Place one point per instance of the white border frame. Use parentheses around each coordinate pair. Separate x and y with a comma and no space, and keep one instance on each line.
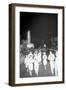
(17,41)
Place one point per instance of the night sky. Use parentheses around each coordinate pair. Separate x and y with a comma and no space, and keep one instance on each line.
(43,26)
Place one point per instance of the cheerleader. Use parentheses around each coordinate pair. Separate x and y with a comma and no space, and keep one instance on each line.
(30,65)
(36,64)
(56,64)
(44,60)
(51,58)
(39,57)
(26,62)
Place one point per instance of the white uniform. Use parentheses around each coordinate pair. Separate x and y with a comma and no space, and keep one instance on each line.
(44,60)
(56,65)
(26,62)
(30,66)
(36,67)
(39,57)
(36,64)
(51,57)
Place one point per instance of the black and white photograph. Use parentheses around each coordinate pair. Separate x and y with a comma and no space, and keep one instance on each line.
(36,44)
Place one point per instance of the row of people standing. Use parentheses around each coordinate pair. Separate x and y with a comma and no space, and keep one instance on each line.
(33,60)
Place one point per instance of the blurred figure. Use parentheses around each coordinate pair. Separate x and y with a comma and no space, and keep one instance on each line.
(44,59)
(36,64)
(56,64)
(51,58)
(26,62)
(39,57)
(30,65)
(22,58)
(44,45)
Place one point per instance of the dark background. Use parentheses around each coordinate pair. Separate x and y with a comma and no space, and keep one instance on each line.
(43,26)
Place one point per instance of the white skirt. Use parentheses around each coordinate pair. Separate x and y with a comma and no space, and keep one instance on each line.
(45,62)
(30,66)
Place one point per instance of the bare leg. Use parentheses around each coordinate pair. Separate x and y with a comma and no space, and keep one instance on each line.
(45,67)
(30,72)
